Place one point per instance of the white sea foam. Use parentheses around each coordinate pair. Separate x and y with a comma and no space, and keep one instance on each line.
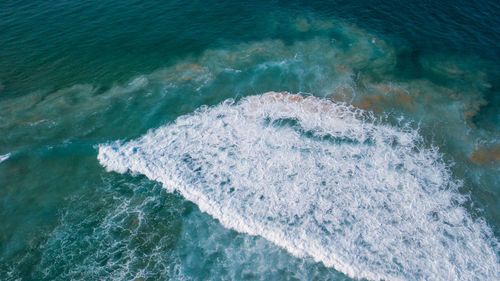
(4,157)
(320,180)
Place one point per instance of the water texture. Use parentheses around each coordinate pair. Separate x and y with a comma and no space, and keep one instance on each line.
(195,140)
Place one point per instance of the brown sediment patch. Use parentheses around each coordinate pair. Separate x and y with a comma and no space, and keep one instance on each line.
(275,95)
(488,155)
(343,69)
(382,88)
(399,91)
(271,97)
(390,89)
(469,114)
(430,99)
(385,96)
(189,66)
(190,71)
(196,68)
(377,102)
(368,102)
(403,98)
(341,94)
(311,104)
(295,98)
(472,110)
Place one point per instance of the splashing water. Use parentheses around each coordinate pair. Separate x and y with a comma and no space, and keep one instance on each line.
(319,179)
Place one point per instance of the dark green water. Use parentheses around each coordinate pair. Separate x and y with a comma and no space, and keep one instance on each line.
(77,74)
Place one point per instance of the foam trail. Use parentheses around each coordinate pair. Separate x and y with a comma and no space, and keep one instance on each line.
(4,157)
(320,180)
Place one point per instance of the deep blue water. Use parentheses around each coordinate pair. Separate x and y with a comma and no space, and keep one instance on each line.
(78,74)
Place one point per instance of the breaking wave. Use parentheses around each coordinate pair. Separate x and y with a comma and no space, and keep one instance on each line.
(319,179)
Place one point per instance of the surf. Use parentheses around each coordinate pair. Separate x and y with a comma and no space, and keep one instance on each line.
(320,179)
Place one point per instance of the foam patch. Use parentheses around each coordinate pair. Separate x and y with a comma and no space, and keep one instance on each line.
(319,179)
(4,157)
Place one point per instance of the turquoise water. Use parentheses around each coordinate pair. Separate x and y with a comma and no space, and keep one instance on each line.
(386,166)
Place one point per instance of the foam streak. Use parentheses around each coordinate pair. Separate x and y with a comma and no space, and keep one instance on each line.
(4,157)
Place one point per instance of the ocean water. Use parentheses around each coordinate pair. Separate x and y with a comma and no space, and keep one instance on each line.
(263,140)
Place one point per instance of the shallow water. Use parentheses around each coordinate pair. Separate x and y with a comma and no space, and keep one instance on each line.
(386,163)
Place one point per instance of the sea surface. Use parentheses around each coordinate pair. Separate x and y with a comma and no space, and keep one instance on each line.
(249,140)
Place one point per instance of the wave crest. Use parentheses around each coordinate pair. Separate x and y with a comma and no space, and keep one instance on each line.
(319,179)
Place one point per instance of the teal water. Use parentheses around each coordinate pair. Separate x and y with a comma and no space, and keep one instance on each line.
(78,75)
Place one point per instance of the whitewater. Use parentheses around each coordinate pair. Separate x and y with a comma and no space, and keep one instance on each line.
(321,179)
